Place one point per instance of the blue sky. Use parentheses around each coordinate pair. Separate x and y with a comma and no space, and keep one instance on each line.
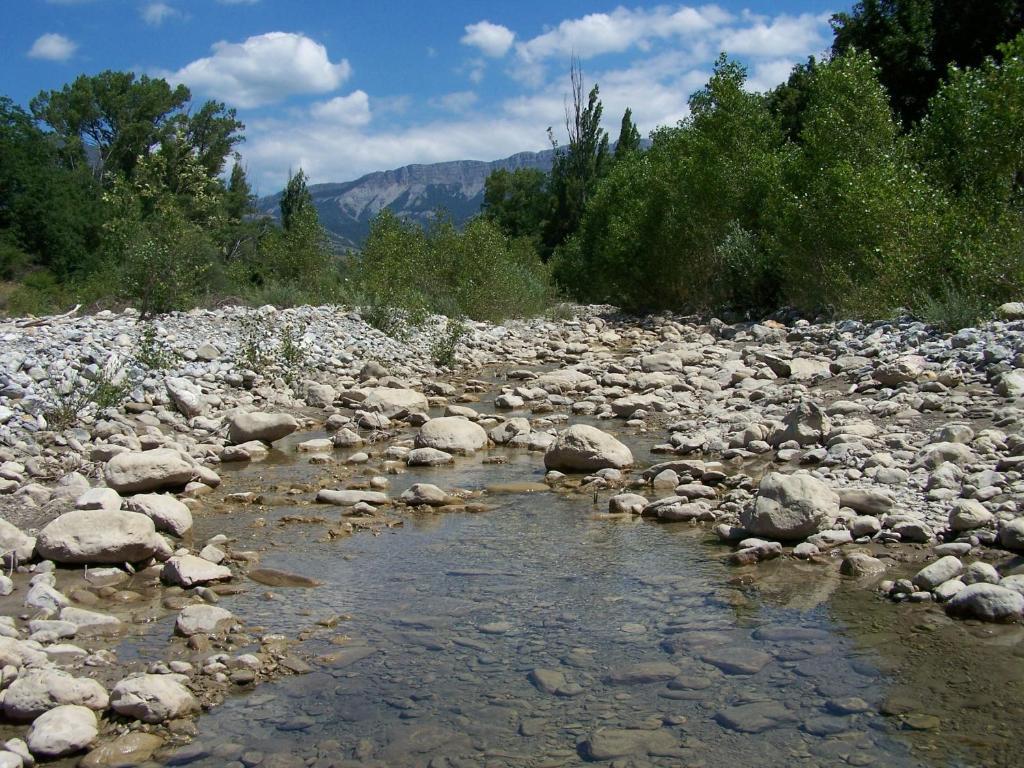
(344,88)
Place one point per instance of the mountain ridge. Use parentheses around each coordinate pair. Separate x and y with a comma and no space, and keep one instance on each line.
(413,192)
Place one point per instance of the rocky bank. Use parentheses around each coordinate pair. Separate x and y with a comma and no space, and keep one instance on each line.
(889,452)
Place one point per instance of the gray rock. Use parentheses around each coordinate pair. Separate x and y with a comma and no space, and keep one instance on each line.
(351,498)
(142,471)
(643,673)
(428,457)
(612,743)
(393,402)
(100,536)
(425,494)
(807,424)
(790,507)
(980,573)
(167,513)
(64,730)
(582,448)
(968,515)
(866,501)
(39,690)
(452,434)
(186,396)
(860,564)
(988,602)
(1011,535)
(13,541)
(943,569)
(202,619)
(256,425)
(152,698)
(189,571)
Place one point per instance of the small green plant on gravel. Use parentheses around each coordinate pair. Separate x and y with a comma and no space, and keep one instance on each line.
(442,349)
(253,348)
(951,309)
(289,353)
(152,353)
(72,400)
(267,344)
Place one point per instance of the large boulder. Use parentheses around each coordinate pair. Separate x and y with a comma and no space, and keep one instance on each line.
(63,730)
(13,541)
(807,424)
(142,471)
(392,402)
(167,513)
(100,536)
(582,448)
(152,698)
(452,434)
(39,690)
(988,602)
(257,425)
(790,507)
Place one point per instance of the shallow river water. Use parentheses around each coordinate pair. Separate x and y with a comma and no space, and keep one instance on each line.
(447,620)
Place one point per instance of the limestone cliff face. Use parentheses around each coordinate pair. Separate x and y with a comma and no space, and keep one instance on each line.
(413,192)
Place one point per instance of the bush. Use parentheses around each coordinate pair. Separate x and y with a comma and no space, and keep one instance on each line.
(405,272)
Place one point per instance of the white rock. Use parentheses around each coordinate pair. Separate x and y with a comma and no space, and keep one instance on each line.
(201,619)
(38,690)
(186,396)
(790,507)
(99,498)
(452,434)
(967,515)
(943,569)
(63,730)
(152,698)
(99,536)
(988,602)
(582,448)
(189,571)
(13,540)
(167,513)
(257,425)
(141,471)
(393,402)
(345,498)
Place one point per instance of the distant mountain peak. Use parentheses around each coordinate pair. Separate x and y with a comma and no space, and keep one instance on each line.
(413,192)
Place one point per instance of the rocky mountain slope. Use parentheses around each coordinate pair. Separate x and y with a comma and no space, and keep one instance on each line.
(413,192)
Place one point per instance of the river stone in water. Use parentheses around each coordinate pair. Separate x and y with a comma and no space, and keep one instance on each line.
(168,514)
(152,698)
(645,672)
(39,690)
(452,434)
(988,602)
(132,748)
(100,536)
(754,718)
(428,457)
(141,471)
(582,448)
(257,425)
(274,578)
(610,743)
(201,619)
(63,730)
(790,507)
(189,571)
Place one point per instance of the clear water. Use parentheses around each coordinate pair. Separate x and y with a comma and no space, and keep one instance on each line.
(450,613)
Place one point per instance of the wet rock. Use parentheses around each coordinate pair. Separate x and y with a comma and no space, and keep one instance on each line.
(152,698)
(428,457)
(738,661)
(860,564)
(645,672)
(582,448)
(142,471)
(988,602)
(62,731)
(130,749)
(83,618)
(100,536)
(202,619)
(553,682)
(275,578)
(627,503)
(789,507)
(168,514)
(425,494)
(941,570)
(256,425)
(350,498)
(612,743)
(756,717)
(39,690)
(189,571)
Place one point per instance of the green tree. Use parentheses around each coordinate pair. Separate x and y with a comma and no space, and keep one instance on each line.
(629,137)
(518,202)
(296,201)
(49,215)
(577,167)
(788,101)
(110,120)
(238,199)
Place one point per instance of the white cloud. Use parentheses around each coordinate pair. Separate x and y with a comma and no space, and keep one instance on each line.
(766,75)
(353,109)
(52,47)
(459,101)
(264,69)
(782,36)
(492,40)
(620,30)
(156,14)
